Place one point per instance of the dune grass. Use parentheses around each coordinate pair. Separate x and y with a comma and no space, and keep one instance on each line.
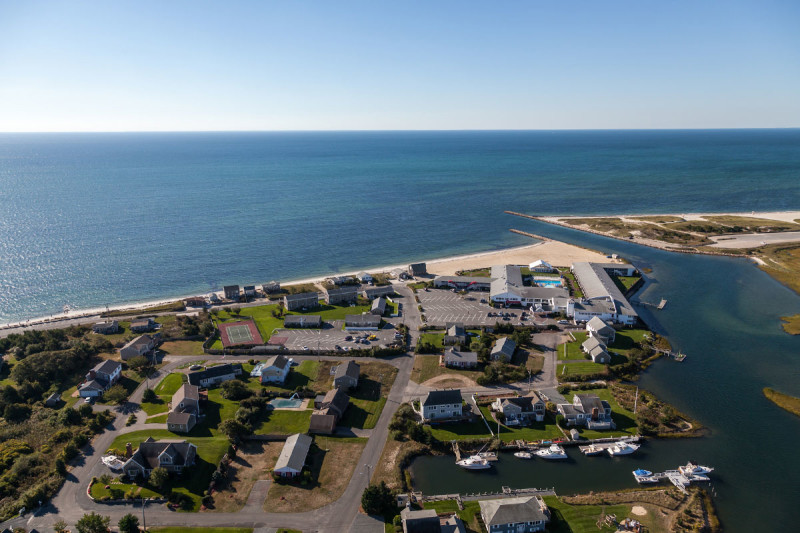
(784,401)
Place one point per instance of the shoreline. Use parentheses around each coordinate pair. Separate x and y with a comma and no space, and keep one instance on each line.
(556,251)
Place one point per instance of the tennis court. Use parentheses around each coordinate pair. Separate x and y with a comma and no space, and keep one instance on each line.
(239,333)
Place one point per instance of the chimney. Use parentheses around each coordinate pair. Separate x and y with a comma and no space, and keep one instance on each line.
(92,374)
(128,450)
(595,413)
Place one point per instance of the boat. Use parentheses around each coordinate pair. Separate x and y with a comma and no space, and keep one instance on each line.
(622,448)
(642,472)
(592,450)
(697,477)
(553,452)
(694,469)
(474,463)
(647,479)
(523,455)
(489,456)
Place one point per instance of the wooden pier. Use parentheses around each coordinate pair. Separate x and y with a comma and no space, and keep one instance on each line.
(457,451)
(678,356)
(662,304)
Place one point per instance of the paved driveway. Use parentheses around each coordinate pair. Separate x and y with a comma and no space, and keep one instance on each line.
(441,306)
(331,336)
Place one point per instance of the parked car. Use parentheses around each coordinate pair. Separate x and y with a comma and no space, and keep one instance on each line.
(305,348)
(292,362)
(348,338)
(337,347)
(563,321)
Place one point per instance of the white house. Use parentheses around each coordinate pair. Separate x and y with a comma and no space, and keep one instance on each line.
(523,514)
(541,266)
(441,404)
(595,349)
(602,298)
(100,378)
(275,369)
(364,277)
(597,327)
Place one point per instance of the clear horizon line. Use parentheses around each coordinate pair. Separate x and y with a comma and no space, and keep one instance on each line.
(17,132)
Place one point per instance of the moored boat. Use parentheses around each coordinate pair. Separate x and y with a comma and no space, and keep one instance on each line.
(523,455)
(592,449)
(622,448)
(694,469)
(474,463)
(553,452)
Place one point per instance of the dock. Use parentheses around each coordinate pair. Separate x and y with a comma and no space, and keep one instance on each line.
(531,235)
(457,451)
(605,442)
(678,356)
(676,478)
(662,304)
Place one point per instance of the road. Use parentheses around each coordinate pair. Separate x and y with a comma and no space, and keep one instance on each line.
(753,240)
(72,501)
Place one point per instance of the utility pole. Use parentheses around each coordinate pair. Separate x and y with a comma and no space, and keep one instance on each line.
(144,521)
(636,400)
(369,475)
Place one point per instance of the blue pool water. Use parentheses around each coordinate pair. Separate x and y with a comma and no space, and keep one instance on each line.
(548,282)
(285,403)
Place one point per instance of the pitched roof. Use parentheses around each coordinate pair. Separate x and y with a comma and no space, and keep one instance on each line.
(278,361)
(349,368)
(179,417)
(595,282)
(525,403)
(456,330)
(590,401)
(363,320)
(213,371)
(141,340)
(294,452)
(505,346)
(92,385)
(149,451)
(348,290)
(302,320)
(452,356)
(442,397)
(107,367)
(511,510)
(379,304)
(186,392)
(599,325)
(423,521)
(301,296)
(591,343)
(336,399)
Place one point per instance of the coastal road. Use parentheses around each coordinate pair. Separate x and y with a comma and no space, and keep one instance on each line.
(754,240)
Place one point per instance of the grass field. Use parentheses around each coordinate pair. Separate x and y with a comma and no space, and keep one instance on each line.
(580,518)
(784,401)
(627,339)
(580,369)
(624,419)
(170,384)
(368,399)
(572,350)
(460,431)
(469,514)
(536,431)
(332,463)
(99,491)
(282,422)
(182,348)
(195,480)
(427,367)
(303,375)
(624,283)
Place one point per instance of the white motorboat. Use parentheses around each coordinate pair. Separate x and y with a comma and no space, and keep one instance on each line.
(523,455)
(489,456)
(474,463)
(694,469)
(622,448)
(644,476)
(592,450)
(553,452)
(697,477)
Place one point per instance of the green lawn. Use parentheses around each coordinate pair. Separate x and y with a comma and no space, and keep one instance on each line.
(460,431)
(262,315)
(160,419)
(427,367)
(579,369)
(170,384)
(536,431)
(195,480)
(156,407)
(333,312)
(130,380)
(283,422)
(435,338)
(468,514)
(572,349)
(368,399)
(624,419)
(576,289)
(392,308)
(581,518)
(624,283)
(99,490)
(302,375)
(627,339)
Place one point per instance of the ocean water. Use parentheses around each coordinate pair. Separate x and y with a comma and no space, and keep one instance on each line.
(96,219)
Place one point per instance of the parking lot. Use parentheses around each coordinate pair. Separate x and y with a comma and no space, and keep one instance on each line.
(326,339)
(442,306)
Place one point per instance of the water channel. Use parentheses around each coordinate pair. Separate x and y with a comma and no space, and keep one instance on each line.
(724,313)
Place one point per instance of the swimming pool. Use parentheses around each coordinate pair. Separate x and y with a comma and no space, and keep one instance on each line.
(548,282)
(286,403)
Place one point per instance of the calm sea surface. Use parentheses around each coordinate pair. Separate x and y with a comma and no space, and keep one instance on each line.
(95,219)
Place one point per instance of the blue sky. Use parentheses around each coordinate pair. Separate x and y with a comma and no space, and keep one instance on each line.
(169,66)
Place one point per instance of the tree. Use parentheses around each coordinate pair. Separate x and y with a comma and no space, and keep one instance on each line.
(159,476)
(234,430)
(60,526)
(128,524)
(60,467)
(138,364)
(149,395)
(235,390)
(378,500)
(17,412)
(116,394)
(93,523)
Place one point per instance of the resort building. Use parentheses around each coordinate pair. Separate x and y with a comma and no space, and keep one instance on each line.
(194,301)
(231,292)
(184,409)
(249,291)
(594,348)
(106,328)
(441,404)
(340,296)
(365,277)
(541,267)
(271,288)
(587,410)
(171,455)
(370,293)
(521,410)
(507,288)
(367,321)
(346,375)
(601,296)
(214,375)
(275,369)
(417,269)
(302,321)
(503,349)
(456,359)
(142,345)
(378,306)
(100,379)
(515,515)
(463,283)
(301,300)
(292,459)
(399,273)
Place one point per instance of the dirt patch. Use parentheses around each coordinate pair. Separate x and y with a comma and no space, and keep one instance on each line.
(253,461)
(449,380)
(331,470)
(638,510)
(388,468)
